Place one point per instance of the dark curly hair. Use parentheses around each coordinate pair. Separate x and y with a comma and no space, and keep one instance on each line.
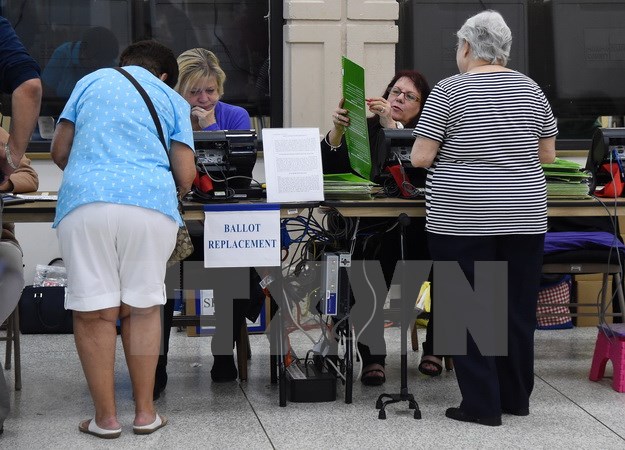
(154,57)
(420,83)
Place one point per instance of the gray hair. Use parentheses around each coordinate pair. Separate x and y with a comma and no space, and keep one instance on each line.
(488,36)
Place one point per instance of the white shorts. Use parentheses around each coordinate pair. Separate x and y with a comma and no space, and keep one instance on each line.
(115,253)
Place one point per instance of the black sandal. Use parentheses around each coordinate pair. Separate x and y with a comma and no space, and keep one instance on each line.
(371,375)
(432,361)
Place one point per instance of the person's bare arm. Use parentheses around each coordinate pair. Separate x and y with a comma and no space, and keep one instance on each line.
(62,143)
(340,120)
(424,152)
(182,166)
(547,150)
(25,105)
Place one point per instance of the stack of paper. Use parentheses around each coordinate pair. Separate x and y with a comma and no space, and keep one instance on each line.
(565,179)
(346,186)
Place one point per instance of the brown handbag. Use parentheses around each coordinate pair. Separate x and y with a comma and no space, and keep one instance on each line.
(184,245)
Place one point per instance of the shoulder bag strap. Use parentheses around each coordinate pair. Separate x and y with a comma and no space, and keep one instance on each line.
(149,104)
(154,115)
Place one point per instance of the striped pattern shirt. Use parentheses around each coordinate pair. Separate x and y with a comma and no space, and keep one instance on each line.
(486,178)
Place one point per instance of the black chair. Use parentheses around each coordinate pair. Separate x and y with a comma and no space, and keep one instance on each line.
(605,261)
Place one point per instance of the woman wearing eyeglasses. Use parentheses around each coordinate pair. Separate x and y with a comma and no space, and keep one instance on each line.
(378,239)
(399,107)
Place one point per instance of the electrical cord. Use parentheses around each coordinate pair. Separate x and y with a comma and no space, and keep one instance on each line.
(364,327)
(612,214)
(413,192)
(309,234)
(334,220)
(389,188)
(345,228)
(296,323)
(229,192)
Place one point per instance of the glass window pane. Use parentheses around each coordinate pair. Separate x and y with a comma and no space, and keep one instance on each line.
(70,38)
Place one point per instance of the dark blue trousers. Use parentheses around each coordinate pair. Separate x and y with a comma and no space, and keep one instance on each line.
(490,383)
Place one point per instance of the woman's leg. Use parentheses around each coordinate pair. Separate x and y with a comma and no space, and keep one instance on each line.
(95,335)
(141,335)
(144,245)
(174,278)
(516,370)
(222,343)
(476,373)
(430,364)
(167,317)
(87,243)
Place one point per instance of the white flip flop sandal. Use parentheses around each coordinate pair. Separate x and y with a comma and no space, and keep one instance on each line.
(93,429)
(159,422)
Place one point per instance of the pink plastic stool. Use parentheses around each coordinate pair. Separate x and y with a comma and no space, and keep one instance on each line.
(610,345)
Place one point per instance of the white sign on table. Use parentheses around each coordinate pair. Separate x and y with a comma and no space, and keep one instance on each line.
(242,235)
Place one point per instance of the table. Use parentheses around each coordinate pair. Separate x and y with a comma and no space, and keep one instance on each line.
(392,207)
(43,211)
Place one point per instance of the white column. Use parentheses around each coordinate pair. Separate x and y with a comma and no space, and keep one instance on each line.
(316,34)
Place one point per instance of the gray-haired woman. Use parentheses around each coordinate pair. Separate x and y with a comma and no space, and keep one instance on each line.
(484,133)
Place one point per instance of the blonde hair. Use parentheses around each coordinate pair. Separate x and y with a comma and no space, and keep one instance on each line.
(196,64)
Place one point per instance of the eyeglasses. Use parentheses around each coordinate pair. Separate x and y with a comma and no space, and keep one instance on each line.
(409,96)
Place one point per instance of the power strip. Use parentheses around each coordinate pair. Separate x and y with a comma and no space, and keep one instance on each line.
(306,384)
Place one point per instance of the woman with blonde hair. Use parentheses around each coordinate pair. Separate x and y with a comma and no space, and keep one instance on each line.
(201,83)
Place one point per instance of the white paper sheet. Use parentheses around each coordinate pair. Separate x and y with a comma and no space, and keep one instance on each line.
(293,169)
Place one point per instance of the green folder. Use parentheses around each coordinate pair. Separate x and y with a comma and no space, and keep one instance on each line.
(346,177)
(565,179)
(357,133)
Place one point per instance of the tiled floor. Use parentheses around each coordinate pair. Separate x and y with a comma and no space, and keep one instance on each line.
(567,410)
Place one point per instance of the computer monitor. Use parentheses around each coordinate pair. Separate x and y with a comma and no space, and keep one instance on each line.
(577,50)
(427,30)
(227,156)
(398,147)
(398,144)
(608,145)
